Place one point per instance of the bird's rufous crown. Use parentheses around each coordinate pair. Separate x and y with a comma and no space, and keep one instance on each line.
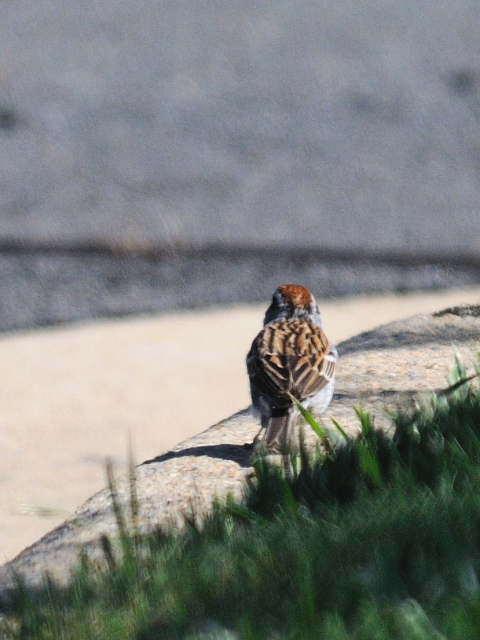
(296,295)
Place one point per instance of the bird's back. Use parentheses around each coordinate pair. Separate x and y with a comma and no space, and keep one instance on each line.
(290,357)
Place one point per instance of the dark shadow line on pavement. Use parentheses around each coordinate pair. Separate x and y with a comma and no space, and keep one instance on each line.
(237,251)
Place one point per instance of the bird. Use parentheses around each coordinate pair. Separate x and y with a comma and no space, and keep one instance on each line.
(291,356)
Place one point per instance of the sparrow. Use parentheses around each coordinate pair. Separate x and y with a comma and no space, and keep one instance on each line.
(291,356)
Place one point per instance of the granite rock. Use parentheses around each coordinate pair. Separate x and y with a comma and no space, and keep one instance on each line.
(379,369)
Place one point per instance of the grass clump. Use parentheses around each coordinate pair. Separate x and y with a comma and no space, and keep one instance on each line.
(376,538)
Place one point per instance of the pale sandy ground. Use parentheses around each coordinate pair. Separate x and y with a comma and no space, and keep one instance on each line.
(70,396)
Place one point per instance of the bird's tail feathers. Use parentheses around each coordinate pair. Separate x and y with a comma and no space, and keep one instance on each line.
(278,432)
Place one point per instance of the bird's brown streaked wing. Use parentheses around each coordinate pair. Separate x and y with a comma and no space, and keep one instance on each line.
(309,374)
(290,356)
(270,374)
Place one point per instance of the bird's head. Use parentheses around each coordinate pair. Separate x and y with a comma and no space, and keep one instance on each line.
(292,301)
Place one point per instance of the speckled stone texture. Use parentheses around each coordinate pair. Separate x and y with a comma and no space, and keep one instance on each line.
(378,369)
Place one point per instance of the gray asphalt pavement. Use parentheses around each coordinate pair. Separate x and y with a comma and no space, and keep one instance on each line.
(39,288)
(340,128)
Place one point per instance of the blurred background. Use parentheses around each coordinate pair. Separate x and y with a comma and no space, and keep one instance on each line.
(165,156)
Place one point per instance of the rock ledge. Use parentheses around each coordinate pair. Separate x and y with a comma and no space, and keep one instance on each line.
(378,368)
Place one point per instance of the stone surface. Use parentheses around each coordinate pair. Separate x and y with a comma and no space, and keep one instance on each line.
(379,368)
(74,395)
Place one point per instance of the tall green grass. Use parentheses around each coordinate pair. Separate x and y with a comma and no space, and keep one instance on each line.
(374,538)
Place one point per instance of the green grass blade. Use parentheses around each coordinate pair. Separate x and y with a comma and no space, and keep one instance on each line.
(365,420)
(340,429)
(369,463)
(309,419)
